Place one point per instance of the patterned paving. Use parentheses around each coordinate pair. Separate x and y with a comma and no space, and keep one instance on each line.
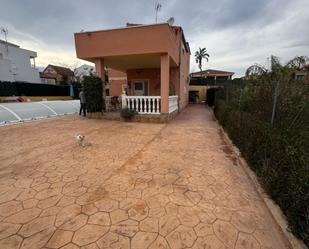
(132,186)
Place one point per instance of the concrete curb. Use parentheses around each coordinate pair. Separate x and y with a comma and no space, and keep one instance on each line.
(274,210)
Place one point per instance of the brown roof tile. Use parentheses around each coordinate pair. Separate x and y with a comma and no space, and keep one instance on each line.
(62,70)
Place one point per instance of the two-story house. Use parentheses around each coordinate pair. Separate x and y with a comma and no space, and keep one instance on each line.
(17,64)
(57,75)
(149,62)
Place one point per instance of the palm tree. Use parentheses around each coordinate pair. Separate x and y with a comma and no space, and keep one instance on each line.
(200,55)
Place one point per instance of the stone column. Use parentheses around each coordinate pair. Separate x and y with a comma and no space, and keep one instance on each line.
(165,81)
(123,100)
(100,69)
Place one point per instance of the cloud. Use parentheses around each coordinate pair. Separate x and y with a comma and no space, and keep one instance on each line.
(274,31)
(236,33)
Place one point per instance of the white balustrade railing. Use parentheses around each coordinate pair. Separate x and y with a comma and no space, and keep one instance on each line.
(150,104)
(172,103)
(144,104)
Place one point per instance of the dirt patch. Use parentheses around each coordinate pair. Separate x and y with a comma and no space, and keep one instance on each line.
(226,148)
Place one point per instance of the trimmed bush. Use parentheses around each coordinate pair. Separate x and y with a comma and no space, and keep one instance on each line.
(277,153)
(92,86)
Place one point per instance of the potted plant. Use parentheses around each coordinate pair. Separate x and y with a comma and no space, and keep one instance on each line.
(127,114)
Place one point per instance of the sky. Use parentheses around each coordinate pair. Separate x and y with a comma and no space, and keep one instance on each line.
(236,33)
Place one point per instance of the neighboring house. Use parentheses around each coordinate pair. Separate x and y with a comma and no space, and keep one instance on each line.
(59,74)
(17,64)
(83,70)
(197,90)
(301,74)
(201,81)
(212,74)
(150,62)
(47,78)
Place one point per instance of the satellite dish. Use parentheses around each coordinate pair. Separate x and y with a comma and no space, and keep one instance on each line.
(171,21)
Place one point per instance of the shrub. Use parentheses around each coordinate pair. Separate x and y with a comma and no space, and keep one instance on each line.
(92,86)
(127,113)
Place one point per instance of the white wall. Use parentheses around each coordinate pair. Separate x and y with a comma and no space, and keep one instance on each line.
(5,70)
(15,64)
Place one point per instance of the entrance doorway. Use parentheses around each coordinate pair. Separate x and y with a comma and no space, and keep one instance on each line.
(193,97)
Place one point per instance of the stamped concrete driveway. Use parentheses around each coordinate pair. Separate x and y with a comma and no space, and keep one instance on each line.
(132,186)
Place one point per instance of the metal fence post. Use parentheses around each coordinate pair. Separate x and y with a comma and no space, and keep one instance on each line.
(275,103)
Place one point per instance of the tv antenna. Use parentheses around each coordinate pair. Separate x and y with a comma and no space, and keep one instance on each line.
(171,21)
(5,32)
(158,7)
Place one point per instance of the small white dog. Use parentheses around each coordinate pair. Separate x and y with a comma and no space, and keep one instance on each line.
(80,139)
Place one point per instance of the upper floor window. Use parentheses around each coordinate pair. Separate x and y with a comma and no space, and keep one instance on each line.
(1,56)
(32,62)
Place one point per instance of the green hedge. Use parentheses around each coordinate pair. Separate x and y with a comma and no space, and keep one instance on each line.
(32,89)
(35,89)
(92,86)
(277,153)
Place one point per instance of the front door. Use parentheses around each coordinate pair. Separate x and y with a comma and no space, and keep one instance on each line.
(139,88)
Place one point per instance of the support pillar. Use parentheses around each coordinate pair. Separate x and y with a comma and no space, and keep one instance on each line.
(165,81)
(100,69)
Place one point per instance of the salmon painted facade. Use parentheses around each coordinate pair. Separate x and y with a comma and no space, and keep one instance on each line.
(149,62)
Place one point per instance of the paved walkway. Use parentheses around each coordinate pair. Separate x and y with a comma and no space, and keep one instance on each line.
(132,186)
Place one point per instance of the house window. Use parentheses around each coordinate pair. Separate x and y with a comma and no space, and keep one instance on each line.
(32,62)
(1,56)
(299,76)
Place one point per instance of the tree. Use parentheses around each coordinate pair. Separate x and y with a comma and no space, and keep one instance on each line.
(200,55)
(255,71)
(64,80)
(298,62)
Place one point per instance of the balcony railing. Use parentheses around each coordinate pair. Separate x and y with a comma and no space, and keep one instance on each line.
(150,104)
(144,104)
